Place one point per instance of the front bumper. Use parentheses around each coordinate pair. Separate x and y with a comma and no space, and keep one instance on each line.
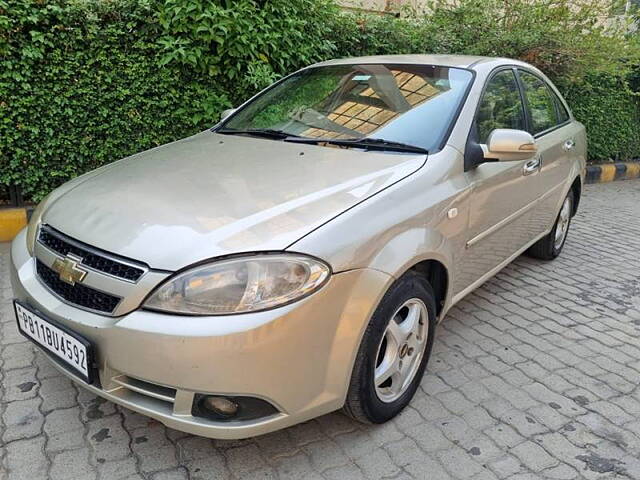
(298,357)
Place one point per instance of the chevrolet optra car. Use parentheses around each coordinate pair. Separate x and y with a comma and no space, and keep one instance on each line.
(296,258)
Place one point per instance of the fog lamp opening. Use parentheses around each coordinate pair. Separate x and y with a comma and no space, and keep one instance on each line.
(223,408)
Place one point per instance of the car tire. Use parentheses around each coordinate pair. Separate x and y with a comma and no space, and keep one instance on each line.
(370,400)
(550,246)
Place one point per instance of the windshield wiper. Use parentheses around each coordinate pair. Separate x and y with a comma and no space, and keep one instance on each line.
(258,132)
(368,143)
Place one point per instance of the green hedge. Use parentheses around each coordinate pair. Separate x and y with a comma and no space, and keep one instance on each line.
(81,87)
(611,115)
(86,82)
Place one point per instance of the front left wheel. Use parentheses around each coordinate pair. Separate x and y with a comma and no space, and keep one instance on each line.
(394,351)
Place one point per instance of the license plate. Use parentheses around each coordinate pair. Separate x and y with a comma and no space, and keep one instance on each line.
(67,347)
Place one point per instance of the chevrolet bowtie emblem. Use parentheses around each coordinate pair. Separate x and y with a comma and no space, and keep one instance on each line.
(68,270)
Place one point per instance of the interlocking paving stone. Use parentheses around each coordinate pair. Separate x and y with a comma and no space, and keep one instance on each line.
(533,376)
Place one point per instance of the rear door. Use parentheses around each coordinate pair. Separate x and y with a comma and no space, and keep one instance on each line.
(550,124)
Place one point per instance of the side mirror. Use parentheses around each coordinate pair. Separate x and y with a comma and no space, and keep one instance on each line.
(226,113)
(506,145)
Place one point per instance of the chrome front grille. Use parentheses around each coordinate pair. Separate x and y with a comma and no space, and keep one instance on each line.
(77,294)
(91,257)
(90,278)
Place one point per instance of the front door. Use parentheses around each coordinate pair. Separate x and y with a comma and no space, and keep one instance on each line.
(503,193)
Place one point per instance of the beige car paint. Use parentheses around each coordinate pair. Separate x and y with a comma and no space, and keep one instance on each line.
(247,195)
(371,216)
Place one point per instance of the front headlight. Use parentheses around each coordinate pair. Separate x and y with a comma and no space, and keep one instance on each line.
(240,285)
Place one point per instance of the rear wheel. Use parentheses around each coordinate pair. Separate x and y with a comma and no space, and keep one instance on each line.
(550,246)
(394,351)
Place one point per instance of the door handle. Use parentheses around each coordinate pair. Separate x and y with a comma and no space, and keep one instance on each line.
(532,166)
(569,145)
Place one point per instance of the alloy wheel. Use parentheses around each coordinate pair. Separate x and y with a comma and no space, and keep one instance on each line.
(563,223)
(401,350)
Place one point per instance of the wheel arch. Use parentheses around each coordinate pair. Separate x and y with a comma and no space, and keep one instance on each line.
(424,251)
(576,187)
(436,273)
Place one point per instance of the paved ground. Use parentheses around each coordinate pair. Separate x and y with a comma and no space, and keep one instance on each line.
(533,376)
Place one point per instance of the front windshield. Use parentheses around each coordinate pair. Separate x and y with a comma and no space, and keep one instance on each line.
(409,104)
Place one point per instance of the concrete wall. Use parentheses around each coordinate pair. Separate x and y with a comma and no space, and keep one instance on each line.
(383,6)
(394,6)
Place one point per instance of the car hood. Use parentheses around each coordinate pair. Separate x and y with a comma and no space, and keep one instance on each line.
(211,195)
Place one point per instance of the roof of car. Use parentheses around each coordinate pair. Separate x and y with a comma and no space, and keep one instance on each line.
(463,61)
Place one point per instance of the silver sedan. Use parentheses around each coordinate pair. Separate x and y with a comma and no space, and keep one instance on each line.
(296,258)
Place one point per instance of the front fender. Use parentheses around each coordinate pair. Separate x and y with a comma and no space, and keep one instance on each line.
(423,217)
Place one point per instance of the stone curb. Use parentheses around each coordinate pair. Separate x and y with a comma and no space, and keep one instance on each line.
(612,171)
(12,220)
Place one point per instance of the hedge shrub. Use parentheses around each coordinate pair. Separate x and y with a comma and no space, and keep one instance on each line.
(611,115)
(80,86)
(86,82)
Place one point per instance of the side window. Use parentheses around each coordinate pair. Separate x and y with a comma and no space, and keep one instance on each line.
(563,115)
(541,104)
(500,106)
